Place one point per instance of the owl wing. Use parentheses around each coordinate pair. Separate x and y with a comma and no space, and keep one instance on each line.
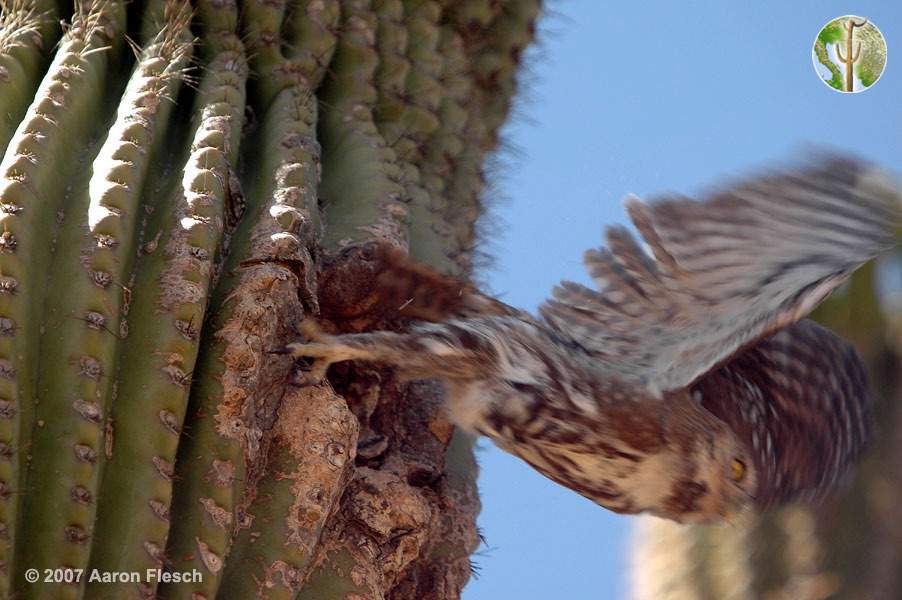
(725,271)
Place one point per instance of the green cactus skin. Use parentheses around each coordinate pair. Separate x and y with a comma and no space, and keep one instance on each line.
(310,41)
(261,24)
(406,79)
(220,462)
(27,33)
(279,227)
(494,69)
(498,48)
(34,173)
(431,238)
(218,25)
(393,66)
(330,577)
(83,327)
(309,459)
(310,36)
(474,14)
(409,95)
(361,187)
(172,179)
(277,524)
(423,91)
(459,537)
(222,102)
(169,297)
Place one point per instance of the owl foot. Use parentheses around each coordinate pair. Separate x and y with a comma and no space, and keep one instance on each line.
(322,348)
(310,373)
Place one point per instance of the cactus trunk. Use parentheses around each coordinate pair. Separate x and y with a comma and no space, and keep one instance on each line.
(179,186)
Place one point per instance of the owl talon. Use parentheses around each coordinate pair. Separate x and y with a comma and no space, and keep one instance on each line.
(321,354)
(317,346)
(312,374)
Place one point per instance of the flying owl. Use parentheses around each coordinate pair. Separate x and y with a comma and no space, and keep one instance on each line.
(687,385)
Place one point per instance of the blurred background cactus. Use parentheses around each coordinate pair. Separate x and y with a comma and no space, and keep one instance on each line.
(848,548)
(177,183)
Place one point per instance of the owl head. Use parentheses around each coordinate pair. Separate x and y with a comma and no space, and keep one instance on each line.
(718,478)
(804,418)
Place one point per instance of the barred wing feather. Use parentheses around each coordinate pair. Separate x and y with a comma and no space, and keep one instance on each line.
(725,271)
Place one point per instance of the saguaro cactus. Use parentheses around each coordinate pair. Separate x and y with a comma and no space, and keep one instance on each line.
(849,59)
(179,185)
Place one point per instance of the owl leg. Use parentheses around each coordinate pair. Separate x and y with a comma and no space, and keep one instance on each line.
(419,354)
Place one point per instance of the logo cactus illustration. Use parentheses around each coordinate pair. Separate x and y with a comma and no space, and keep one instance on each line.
(849,25)
(849,54)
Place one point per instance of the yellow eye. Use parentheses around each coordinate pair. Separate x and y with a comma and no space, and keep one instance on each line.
(738,469)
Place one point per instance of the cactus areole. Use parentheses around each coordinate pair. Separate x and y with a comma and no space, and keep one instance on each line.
(180,185)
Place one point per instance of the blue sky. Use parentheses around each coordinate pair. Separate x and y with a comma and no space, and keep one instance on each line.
(644,97)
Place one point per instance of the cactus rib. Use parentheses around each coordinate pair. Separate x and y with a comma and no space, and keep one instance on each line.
(27,32)
(361,186)
(84,326)
(309,458)
(169,301)
(35,172)
(220,463)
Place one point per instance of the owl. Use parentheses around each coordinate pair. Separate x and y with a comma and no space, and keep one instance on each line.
(688,385)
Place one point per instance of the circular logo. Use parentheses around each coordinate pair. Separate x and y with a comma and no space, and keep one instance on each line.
(849,54)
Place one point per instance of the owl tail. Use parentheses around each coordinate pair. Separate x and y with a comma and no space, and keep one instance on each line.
(378,281)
